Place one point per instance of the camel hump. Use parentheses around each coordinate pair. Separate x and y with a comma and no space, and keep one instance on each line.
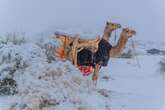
(60,34)
(97,39)
(56,33)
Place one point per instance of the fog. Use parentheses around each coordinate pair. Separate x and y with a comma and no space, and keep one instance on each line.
(147,17)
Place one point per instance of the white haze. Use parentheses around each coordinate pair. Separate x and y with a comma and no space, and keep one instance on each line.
(147,17)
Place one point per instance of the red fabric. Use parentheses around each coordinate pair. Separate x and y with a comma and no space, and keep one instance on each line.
(86,70)
(60,54)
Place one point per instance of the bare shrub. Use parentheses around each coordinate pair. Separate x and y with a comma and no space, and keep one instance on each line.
(15,38)
(162,66)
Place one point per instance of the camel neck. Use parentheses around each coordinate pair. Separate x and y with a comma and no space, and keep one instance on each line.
(121,43)
(107,35)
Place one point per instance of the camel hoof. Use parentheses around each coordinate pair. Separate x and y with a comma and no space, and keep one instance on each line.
(94,77)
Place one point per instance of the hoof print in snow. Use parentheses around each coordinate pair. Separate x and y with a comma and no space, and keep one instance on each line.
(104,92)
(8,87)
(107,78)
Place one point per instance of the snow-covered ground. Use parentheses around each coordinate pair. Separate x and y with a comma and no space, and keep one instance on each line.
(134,88)
(123,85)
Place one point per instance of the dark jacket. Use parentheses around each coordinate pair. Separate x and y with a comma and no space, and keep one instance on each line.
(86,57)
(102,55)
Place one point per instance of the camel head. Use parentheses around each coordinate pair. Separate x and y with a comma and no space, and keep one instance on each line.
(110,26)
(128,32)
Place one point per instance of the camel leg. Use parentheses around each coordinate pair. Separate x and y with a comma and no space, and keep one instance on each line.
(96,72)
(74,50)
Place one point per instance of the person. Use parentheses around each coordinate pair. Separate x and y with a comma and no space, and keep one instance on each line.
(87,61)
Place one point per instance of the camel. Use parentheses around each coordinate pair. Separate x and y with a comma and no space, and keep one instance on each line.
(79,45)
(110,26)
(69,44)
(108,30)
(116,50)
(125,35)
(67,41)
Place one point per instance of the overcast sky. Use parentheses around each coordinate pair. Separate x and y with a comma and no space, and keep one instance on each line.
(147,17)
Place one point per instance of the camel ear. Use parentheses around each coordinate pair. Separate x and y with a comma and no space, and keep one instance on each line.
(107,23)
(125,29)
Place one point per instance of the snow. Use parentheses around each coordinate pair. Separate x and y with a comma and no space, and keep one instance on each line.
(127,87)
(136,88)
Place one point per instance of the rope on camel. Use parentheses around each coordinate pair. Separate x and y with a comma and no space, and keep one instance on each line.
(135,53)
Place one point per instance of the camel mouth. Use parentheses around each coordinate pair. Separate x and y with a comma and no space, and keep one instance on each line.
(134,32)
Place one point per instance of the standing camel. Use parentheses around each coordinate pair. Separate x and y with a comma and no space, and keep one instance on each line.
(125,35)
(73,45)
(64,50)
(116,50)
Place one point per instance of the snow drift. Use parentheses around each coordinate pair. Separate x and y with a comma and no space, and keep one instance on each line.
(44,82)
